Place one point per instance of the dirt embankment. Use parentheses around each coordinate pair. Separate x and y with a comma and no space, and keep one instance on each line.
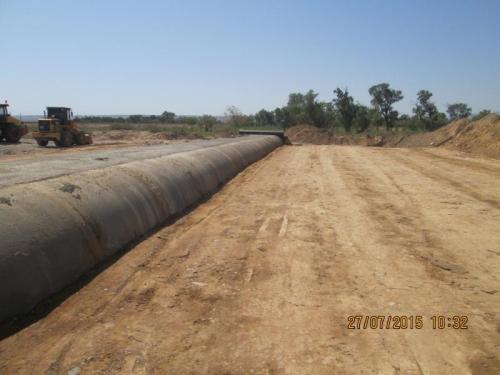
(305,133)
(431,139)
(480,137)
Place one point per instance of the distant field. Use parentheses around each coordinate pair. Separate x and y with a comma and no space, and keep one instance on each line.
(176,130)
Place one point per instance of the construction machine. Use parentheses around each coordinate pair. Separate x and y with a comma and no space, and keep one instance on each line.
(58,126)
(11,129)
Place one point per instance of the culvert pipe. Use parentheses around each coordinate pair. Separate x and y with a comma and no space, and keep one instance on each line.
(54,231)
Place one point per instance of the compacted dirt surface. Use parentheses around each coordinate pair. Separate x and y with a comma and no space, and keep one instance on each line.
(63,161)
(476,137)
(261,278)
(103,140)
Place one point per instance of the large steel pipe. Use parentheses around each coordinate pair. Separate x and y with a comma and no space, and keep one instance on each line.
(54,231)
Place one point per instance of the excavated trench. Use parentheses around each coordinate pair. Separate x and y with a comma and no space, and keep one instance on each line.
(55,230)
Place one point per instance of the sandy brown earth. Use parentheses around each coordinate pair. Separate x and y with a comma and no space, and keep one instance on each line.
(480,137)
(261,278)
(103,140)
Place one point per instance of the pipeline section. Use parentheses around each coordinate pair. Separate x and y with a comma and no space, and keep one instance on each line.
(54,231)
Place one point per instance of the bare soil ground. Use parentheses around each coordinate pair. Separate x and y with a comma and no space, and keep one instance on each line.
(103,140)
(262,277)
(481,137)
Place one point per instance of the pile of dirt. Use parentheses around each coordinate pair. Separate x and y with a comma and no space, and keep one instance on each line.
(480,137)
(431,139)
(305,133)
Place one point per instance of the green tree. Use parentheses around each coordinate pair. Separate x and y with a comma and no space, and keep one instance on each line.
(305,108)
(383,98)
(458,110)
(331,115)
(344,104)
(296,107)
(406,122)
(264,118)
(235,117)
(249,121)
(190,120)
(207,122)
(283,118)
(316,110)
(361,121)
(426,111)
(168,117)
(481,114)
(136,118)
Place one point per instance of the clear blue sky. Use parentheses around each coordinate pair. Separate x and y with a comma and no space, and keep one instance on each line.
(196,57)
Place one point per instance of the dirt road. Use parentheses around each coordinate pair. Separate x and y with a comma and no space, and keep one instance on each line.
(262,277)
(27,148)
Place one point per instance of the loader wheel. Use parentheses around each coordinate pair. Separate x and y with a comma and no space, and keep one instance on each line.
(42,142)
(80,139)
(66,139)
(13,133)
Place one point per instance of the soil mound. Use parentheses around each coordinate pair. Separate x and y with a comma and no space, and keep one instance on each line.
(305,133)
(479,137)
(119,135)
(431,139)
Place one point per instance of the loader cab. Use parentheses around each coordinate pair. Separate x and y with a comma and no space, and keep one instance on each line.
(3,111)
(63,114)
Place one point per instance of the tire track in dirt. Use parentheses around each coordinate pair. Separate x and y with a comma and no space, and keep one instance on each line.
(434,173)
(417,215)
(405,218)
(386,200)
(293,289)
(471,165)
(368,258)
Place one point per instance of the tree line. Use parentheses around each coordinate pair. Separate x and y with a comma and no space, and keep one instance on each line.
(344,112)
(206,121)
(166,117)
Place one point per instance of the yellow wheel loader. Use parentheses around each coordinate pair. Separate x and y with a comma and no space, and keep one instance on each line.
(58,126)
(11,129)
